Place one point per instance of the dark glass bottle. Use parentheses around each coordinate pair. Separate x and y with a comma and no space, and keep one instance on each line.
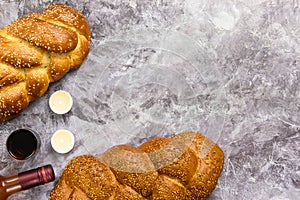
(25,180)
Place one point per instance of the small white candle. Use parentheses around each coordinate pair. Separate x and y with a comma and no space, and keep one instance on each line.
(60,102)
(62,141)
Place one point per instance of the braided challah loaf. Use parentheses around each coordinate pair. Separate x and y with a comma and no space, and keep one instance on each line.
(185,166)
(37,50)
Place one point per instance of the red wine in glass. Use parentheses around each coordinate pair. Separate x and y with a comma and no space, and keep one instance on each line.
(22,144)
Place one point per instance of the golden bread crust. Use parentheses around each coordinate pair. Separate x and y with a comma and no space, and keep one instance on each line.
(38,49)
(168,188)
(17,53)
(132,167)
(13,100)
(48,36)
(193,164)
(69,16)
(86,175)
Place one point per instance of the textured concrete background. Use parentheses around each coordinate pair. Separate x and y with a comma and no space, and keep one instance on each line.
(228,69)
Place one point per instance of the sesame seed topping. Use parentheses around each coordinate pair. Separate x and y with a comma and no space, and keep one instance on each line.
(39,41)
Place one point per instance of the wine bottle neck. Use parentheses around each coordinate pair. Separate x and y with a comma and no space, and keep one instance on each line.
(25,180)
(36,177)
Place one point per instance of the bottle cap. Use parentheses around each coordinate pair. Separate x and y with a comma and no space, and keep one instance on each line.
(35,177)
(47,173)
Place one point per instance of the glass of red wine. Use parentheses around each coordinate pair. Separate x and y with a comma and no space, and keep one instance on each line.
(22,144)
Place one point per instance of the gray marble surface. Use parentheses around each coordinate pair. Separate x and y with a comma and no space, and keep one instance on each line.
(226,68)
